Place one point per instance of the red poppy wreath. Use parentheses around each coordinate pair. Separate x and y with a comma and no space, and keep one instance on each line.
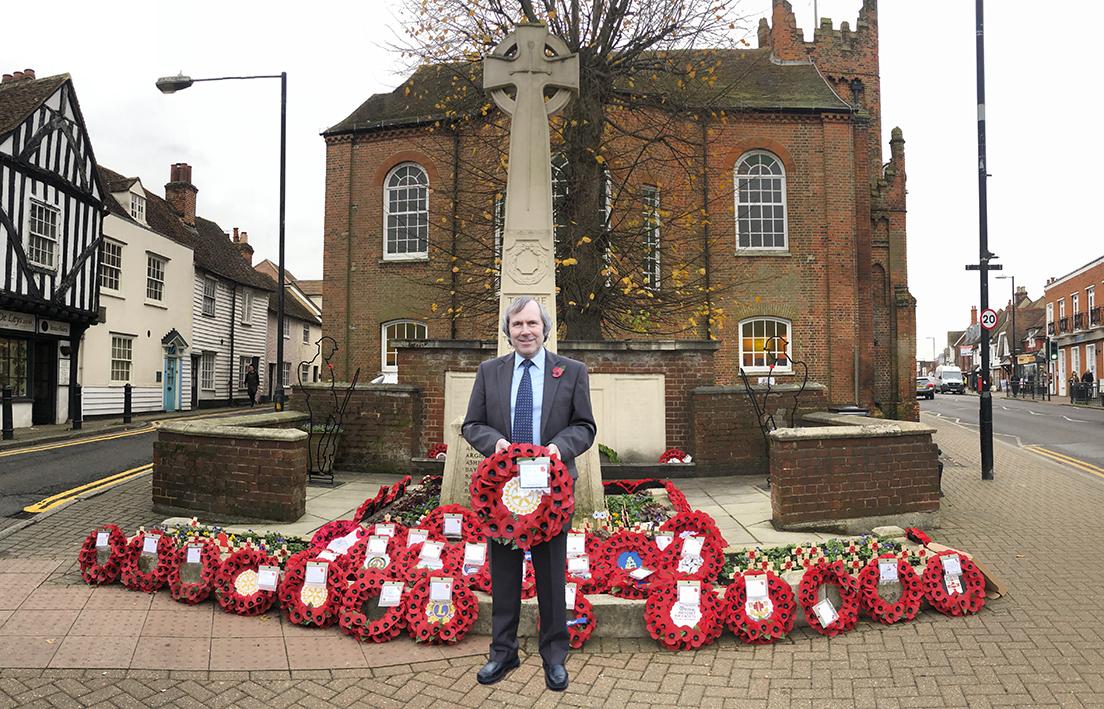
(836,620)
(961,597)
(475,575)
(146,564)
(706,563)
(681,626)
(371,505)
(593,580)
(192,570)
(471,527)
(676,497)
(359,557)
(515,516)
(672,454)
(100,563)
(360,598)
(236,584)
(311,590)
(337,529)
(904,576)
(444,621)
(412,565)
(620,560)
(760,619)
(580,621)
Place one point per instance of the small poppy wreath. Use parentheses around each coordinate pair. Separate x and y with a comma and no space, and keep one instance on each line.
(547,518)
(352,561)
(321,606)
(96,569)
(972,598)
(440,622)
(193,592)
(617,577)
(406,567)
(335,530)
(399,535)
(672,454)
(131,573)
(657,616)
(762,630)
(579,632)
(236,583)
(677,498)
(695,523)
(597,582)
(912,591)
(371,505)
(471,527)
(480,579)
(397,490)
(437,450)
(353,619)
(809,594)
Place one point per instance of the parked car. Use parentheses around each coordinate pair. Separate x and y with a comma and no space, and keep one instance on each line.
(949,379)
(925,387)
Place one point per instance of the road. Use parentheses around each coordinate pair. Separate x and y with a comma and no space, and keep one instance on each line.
(1068,431)
(29,476)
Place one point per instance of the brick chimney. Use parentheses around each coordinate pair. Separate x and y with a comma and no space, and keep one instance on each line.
(181,193)
(973,315)
(242,242)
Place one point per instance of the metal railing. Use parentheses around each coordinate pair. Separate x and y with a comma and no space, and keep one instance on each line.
(1063,325)
(1079,321)
(1096,317)
(1050,328)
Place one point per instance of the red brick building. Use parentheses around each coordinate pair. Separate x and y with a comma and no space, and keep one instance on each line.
(1075,320)
(826,270)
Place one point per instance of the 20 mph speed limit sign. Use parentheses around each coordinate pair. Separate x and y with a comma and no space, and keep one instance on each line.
(988,318)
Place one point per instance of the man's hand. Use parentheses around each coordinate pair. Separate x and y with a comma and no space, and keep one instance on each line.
(501,445)
(553,450)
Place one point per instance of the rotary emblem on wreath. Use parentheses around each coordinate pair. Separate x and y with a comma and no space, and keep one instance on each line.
(520,502)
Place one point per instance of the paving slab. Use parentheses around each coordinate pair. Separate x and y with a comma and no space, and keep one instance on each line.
(172,653)
(30,651)
(57,598)
(248,654)
(95,652)
(326,651)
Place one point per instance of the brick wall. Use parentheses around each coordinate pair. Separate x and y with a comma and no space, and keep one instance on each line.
(852,472)
(725,435)
(1081,330)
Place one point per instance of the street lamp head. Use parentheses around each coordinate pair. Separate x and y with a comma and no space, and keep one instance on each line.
(172,84)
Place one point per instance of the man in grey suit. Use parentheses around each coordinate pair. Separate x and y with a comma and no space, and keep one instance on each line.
(533,396)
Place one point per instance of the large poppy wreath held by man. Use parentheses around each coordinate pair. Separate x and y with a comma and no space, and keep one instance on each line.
(512,514)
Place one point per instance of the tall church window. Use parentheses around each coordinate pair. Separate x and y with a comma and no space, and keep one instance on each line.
(760,202)
(406,213)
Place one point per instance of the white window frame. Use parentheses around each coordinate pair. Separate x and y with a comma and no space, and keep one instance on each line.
(246,307)
(384,339)
(1090,298)
(306,334)
(285,374)
(304,373)
(111,264)
(388,187)
(287,328)
(764,368)
(1075,302)
(155,277)
(652,237)
(207,371)
(739,192)
(1050,313)
(138,207)
(50,241)
(1061,308)
(209,298)
(122,358)
(243,362)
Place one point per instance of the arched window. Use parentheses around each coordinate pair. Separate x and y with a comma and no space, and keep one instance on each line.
(765,342)
(760,202)
(406,212)
(397,330)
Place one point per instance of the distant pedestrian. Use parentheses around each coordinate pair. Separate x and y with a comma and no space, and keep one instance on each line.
(251,384)
(1087,377)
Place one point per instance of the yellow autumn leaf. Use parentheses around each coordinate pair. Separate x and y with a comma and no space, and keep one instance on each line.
(569,262)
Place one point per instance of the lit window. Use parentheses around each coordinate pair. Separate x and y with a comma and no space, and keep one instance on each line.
(111,264)
(209,288)
(155,277)
(765,345)
(121,357)
(650,198)
(138,207)
(406,212)
(760,202)
(13,365)
(401,330)
(42,236)
(207,371)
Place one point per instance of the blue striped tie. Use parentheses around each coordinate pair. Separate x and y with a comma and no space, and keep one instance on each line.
(523,407)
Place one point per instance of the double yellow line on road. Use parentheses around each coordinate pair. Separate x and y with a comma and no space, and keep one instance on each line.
(75,442)
(1067,460)
(111,480)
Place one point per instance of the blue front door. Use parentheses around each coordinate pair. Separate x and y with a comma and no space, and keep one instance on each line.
(170,384)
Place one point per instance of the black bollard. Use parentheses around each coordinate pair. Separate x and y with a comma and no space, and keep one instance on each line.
(126,402)
(78,415)
(9,428)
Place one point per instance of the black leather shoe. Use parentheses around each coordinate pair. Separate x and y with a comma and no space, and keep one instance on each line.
(555,677)
(495,670)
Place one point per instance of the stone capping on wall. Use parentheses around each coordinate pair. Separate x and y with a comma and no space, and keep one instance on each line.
(342,387)
(251,426)
(761,389)
(827,425)
(568,345)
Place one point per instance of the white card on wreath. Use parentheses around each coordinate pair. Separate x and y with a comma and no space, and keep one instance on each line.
(952,565)
(578,565)
(390,594)
(377,544)
(475,554)
(689,593)
(533,473)
(640,573)
(316,573)
(887,571)
(576,544)
(387,530)
(440,589)
(432,550)
(416,536)
(825,612)
(327,555)
(569,596)
(664,540)
(102,539)
(954,584)
(268,577)
(756,586)
(453,525)
(342,544)
(149,544)
(693,546)
(194,552)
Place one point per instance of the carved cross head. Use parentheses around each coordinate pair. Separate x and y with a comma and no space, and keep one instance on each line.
(528,60)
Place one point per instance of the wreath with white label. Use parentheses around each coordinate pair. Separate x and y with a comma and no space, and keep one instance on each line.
(836,620)
(517,516)
(595,581)
(335,530)
(190,581)
(236,587)
(475,576)
(444,621)
(304,601)
(101,564)
(760,619)
(703,566)
(620,559)
(359,557)
(355,617)
(683,626)
(906,606)
(152,577)
(471,527)
(412,567)
(971,597)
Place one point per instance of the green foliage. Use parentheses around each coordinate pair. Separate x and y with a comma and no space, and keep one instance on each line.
(611,454)
(628,511)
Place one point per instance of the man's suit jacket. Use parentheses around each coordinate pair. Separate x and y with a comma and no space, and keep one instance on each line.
(566,416)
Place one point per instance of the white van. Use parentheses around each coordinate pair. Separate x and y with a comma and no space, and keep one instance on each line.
(948,379)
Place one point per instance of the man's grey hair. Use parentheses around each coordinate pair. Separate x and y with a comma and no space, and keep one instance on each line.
(517,306)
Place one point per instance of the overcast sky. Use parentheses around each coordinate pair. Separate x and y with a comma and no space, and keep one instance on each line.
(335,56)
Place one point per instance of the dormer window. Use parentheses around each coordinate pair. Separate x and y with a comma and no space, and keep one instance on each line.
(138,207)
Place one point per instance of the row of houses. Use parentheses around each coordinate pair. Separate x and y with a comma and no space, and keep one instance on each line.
(108,284)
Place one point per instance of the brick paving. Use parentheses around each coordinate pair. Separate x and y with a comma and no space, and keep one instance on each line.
(1036,527)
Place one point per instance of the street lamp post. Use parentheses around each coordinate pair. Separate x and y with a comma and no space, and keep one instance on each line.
(172,84)
(1015,365)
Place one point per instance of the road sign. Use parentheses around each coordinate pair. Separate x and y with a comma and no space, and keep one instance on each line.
(988,318)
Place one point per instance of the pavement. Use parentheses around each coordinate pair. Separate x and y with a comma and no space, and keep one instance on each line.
(1036,526)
